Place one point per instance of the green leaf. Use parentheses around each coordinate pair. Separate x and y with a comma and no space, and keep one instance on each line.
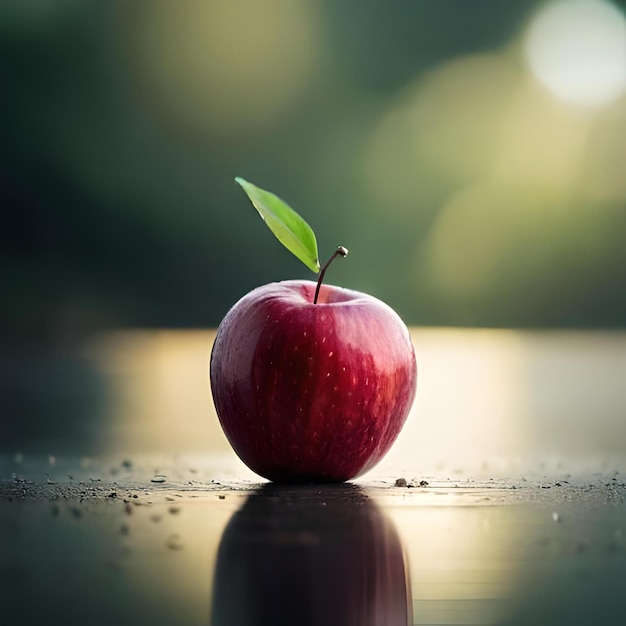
(290,229)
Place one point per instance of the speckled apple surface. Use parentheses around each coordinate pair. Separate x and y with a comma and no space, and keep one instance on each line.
(312,392)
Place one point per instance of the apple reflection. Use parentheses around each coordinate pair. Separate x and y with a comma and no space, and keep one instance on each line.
(307,555)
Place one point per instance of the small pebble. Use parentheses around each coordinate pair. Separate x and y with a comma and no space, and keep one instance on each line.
(222,497)
(423,483)
(556,517)
(159,478)
(173,542)
(401,482)
(174,510)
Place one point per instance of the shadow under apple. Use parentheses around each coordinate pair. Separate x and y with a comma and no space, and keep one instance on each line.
(311,555)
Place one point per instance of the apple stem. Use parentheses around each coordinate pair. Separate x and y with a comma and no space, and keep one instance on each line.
(340,251)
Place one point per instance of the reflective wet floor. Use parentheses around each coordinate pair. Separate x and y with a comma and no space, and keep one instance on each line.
(122,503)
(180,541)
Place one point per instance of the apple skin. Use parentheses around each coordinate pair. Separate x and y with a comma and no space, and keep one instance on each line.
(312,392)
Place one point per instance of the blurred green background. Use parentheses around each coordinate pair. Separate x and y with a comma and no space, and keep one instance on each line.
(471,155)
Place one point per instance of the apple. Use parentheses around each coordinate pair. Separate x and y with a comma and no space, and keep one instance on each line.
(314,556)
(312,392)
(311,383)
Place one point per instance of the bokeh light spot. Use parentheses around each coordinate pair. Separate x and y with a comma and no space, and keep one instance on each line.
(577,49)
(444,129)
(225,67)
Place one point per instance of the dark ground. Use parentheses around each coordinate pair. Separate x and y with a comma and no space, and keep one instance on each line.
(177,541)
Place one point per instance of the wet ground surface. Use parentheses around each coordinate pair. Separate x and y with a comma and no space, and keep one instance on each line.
(182,541)
(516,514)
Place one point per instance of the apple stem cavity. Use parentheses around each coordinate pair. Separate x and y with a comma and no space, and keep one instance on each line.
(340,251)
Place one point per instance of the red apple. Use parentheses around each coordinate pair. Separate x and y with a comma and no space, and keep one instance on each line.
(312,392)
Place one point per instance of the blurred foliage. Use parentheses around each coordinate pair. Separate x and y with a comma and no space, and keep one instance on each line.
(414,133)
